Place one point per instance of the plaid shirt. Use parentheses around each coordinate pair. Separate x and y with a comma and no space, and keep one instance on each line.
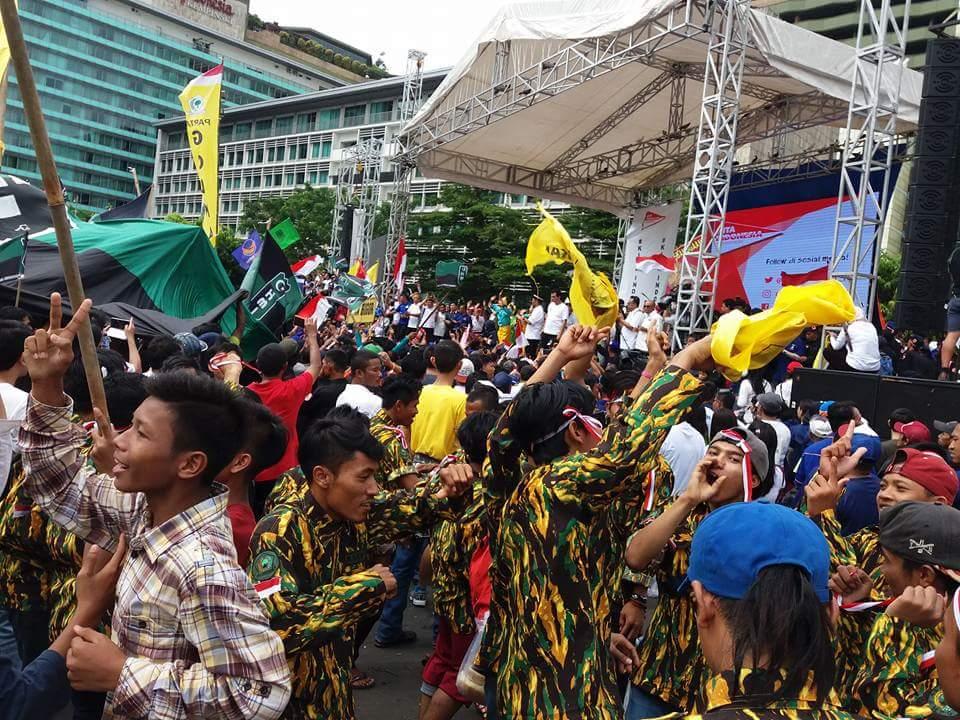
(198,642)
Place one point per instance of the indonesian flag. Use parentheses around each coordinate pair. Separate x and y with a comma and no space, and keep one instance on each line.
(304,267)
(268,587)
(658,263)
(400,263)
(817,274)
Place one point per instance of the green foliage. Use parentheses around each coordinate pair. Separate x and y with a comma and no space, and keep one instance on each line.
(254,22)
(310,209)
(888,273)
(491,239)
(178,218)
(81,214)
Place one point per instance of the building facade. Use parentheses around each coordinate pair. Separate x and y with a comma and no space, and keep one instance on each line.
(107,70)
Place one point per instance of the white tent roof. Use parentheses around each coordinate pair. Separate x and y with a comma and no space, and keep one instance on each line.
(571,100)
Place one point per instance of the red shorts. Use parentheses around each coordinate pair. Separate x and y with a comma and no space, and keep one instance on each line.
(444,664)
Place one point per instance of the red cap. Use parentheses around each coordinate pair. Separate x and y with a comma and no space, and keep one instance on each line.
(928,469)
(793,366)
(914,432)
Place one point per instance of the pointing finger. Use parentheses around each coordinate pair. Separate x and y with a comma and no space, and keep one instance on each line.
(56,311)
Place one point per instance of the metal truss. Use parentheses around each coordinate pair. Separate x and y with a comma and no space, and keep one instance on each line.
(568,68)
(621,245)
(403,168)
(871,126)
(358,191)
(713,167)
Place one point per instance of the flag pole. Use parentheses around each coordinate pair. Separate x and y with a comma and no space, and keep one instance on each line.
(54,191)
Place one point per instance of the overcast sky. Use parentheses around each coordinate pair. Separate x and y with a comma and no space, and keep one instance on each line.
(443,29)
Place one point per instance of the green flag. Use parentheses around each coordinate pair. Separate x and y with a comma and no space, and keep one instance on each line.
(285,234)
(12,254)
(274,295)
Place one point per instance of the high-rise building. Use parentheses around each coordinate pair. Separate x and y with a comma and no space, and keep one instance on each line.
(107,70)
(838,19)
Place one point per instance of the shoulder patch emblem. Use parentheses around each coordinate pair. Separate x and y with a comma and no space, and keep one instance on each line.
(265,565)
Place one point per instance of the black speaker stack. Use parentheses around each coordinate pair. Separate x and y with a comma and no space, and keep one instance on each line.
(932,219)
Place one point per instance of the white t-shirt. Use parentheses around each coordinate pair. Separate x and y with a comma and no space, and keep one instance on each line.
(476,323)
(360,398)
(535,323)
(653,319)
(557,315)
(427,315)
(863,346)
(785,390)
(14,401)
(628,337)
(440,324)
(414,312)
(783,441)
(683,448)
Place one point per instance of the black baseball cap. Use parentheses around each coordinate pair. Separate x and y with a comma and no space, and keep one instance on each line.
(945,426)
(925,533)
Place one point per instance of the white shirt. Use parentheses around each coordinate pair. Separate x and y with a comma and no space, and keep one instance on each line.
(628,337)
(863,346)
(557,315)
(778,484)
(652,319)
(785,390)
(396,313)
(683,448)
(783,441)
(14,402)
(535,323)
(440,324)
(15,407)
(414,315)
(476,323)
(360,398)
(427,314)
(745,397)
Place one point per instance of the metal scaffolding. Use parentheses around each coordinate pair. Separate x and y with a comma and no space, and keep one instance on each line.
(358,192)
(713,168)
(870,146)
(403,167)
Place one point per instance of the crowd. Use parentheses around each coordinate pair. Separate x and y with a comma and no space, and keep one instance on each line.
(602,530)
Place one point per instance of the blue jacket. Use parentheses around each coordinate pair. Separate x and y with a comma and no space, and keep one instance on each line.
(39,691)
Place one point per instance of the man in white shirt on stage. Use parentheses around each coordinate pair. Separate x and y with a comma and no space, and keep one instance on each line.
(535,322)
(557,316)
(651,318)
(630,325)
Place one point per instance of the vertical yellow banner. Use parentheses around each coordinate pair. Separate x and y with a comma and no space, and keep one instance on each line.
(201,104)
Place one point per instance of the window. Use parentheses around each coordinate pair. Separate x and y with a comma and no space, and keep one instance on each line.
(306,122)
(329,119)
(327,146)
(302,152)
(381,111)
(263,128)
(241,131)
(354,115)
(284,125)
(258,155)
(289,179)
(300,178)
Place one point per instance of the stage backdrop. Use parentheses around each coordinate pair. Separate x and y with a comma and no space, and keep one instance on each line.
(778,235)
(648,254)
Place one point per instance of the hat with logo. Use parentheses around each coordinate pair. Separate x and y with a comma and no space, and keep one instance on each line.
(925,533)
(191,344)
(926,468)
(914,432)
(792,367)
(735,543)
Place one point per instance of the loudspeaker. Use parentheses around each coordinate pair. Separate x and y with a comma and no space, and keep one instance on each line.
(932,219)
(822,385)
(346,233)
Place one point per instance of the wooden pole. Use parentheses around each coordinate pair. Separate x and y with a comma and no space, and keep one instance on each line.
(54,191)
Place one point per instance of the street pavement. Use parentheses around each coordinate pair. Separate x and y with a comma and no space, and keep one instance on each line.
(397,671)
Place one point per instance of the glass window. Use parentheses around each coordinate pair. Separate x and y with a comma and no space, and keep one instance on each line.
(354,115)
(258,155)
(381,111)
(306,122)
(284,125)
(241,131)
(302,151)
(263,128)
(327,147)
(329,119)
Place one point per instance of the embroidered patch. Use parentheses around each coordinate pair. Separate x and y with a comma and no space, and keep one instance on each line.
(266,588)
(265,565)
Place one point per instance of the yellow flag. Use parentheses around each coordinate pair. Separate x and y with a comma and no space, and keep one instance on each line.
(745,342)
(592,295)
(373,272)
(355,268)
(201,104)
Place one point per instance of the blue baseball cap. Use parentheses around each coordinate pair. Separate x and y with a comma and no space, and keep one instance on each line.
(735,542)
(872,445)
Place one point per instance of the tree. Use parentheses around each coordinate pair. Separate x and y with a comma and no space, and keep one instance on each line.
(178,218)
(310,209)
(888,275)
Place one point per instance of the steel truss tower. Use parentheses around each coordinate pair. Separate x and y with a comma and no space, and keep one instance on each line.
(713,167)
(358,191)
(403,166)
(870,146)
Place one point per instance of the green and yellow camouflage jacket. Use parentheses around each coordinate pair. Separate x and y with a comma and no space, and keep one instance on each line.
(552,563)
(310,571)
(397,459)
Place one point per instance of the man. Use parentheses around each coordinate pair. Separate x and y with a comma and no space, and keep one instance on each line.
(857,507)
(310,556)
(12,368)
(413,314)
(945,432)
(652,319)
(856,348)
(785,389)
(365,375)
(400,308)
(391,427)
(630,326)
(191,639)
(557,315)
(433,436)
(770,409)
(798,351)
(535,322)
(911,433)
(284,398)
(326,390)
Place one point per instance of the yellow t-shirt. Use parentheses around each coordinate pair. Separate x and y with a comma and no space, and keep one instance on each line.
(434,430)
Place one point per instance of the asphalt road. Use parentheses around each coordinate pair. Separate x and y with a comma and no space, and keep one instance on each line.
(397,672)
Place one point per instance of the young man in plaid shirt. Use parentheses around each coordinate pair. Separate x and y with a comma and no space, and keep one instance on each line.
(189,636)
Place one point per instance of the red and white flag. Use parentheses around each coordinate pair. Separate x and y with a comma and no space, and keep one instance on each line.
(267,588)
(400,264)
(651,218)
(658,262)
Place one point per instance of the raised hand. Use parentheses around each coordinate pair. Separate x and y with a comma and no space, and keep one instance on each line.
(97,581)
(456,479)
(579,341)
(922,606)
(656,348)
(836,460)
(103,443)
(700,489)
(49,352)
(851,583)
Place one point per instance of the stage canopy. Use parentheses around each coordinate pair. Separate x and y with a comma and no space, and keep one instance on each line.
(592,101)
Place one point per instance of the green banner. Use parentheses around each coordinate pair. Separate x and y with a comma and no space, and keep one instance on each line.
(285,234)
